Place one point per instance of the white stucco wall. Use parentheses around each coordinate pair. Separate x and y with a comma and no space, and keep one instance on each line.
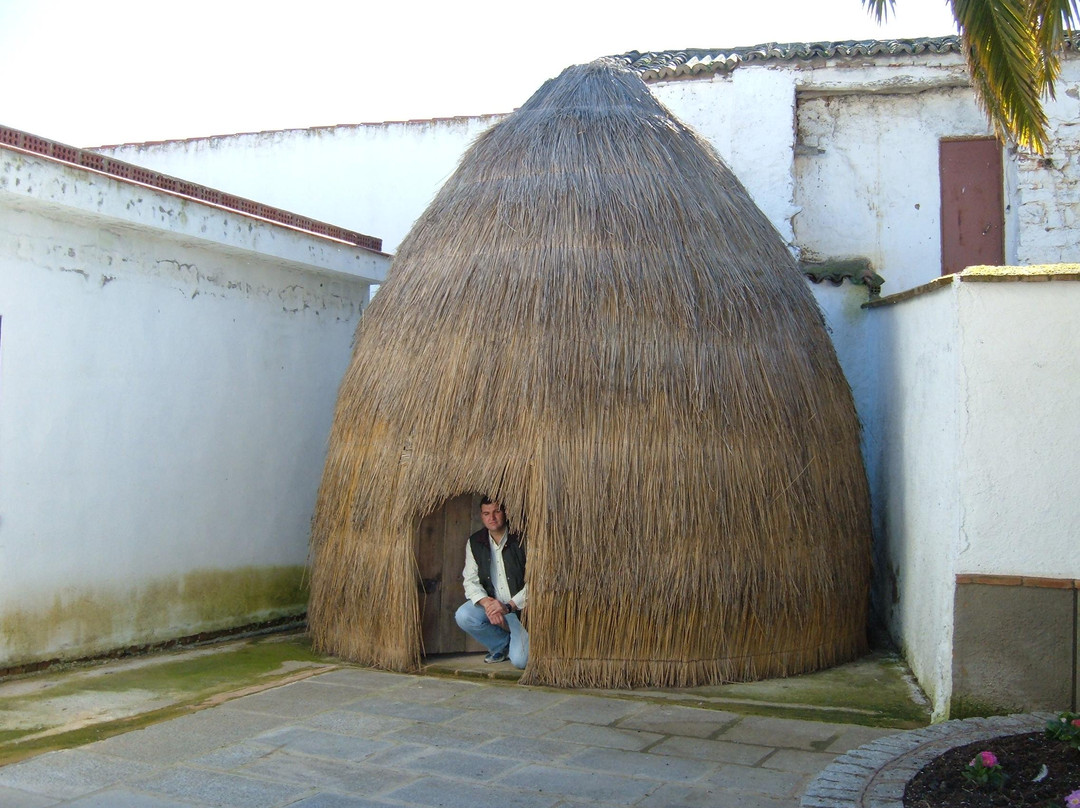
(371,178)
(1047,197)
(749,118)
(1021,397)
(868,178)
(916,480)
(168,372)
(976,451)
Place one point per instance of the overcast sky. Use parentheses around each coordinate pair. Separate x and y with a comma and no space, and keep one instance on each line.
(112,71)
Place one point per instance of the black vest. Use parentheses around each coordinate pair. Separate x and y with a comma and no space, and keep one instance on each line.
(513,554)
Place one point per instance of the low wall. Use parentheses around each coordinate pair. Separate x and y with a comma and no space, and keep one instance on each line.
(168,372)
(975,492)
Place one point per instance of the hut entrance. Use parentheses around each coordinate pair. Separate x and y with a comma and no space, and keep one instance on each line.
(440,557)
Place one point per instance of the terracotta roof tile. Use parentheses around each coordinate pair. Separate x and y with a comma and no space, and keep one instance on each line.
(658,65)
(128,172)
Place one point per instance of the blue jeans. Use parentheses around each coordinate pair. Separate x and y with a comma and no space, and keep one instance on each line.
(473,621)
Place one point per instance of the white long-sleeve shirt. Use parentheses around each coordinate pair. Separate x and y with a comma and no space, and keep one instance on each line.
(471,575)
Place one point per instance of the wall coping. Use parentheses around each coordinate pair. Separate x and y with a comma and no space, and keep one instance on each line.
(984,274)
(19,141)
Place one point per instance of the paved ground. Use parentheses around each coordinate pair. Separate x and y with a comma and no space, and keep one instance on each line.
(353,737)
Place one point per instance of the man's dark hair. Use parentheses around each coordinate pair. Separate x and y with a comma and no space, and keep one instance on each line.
(486,500)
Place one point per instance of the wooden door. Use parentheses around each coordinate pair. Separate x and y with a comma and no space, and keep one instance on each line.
(440,557)
(972,204)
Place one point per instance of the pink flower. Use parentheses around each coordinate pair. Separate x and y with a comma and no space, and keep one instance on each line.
(1073,800)
(988,760)
(1075,722)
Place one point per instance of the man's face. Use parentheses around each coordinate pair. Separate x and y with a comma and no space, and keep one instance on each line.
(493,517)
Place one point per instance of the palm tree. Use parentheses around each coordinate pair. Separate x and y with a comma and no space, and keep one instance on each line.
(1013,54)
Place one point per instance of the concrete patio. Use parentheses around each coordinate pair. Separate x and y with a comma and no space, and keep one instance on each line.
(338,735)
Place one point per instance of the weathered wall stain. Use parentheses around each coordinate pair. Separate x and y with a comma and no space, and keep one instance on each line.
(79,622)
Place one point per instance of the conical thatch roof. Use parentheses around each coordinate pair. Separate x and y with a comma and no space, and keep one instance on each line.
(594,323)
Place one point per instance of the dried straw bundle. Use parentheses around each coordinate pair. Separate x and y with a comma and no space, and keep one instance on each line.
(595,323)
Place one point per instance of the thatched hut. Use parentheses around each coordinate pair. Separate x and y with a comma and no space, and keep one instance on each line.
(594,323)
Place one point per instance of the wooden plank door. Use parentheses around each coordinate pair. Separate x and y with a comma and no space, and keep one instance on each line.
(972,204)
(440,557)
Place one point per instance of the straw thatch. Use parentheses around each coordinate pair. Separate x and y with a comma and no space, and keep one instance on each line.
(593,322)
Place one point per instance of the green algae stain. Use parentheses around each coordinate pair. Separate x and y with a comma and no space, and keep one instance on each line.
(876,690)
(220,595)
(182,680)
(82,622)
(968,707)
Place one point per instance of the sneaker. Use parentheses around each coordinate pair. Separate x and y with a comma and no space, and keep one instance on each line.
(495,656)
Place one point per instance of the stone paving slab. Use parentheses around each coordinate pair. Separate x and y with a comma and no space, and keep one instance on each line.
(683,796)
(352,738)
(351,722)
(331,775)
(179,739)
(724,751)
(611,737)
(447,793)
(593,709)
(16,798)
(461,765)
(329,800)
(221,789)
(71,773)
(758,780)
(584,785)
(323,744)
(535,750)
(675,720)
(124,798)
(533,726)
(641,764)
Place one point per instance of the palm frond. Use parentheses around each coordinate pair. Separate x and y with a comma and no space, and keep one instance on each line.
(1002,56)
(1050,19)
(880,9)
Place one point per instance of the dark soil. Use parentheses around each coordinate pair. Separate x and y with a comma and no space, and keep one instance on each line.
(941,784)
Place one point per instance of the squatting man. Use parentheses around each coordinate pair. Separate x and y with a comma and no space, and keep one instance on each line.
(495,588)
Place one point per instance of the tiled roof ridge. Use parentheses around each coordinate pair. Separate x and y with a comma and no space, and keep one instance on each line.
(656,65)
(320,128)
(129,172)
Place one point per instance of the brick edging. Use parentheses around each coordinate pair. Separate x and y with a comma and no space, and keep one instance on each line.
(876,774)
(1017,580)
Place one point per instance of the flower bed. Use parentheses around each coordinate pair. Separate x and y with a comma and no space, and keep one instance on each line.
(1030,769)
(878,773)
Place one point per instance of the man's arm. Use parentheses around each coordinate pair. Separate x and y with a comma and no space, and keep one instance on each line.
(521,598)
(471,577)
(475,592)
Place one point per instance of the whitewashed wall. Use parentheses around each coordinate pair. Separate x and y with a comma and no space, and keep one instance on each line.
(1020,349)
(1046,202)
(168,373)
(980,384)
(371,178)
(916,480)
(748,117)
(868,178)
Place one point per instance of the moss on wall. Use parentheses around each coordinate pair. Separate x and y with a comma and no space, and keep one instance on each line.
(80,622)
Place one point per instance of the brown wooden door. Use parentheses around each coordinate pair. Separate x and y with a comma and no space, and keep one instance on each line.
(972,204)
(440,557)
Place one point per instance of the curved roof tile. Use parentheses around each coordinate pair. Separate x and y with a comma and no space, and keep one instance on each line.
(657,65)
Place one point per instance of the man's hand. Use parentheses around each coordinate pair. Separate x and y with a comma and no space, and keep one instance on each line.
(494,611)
